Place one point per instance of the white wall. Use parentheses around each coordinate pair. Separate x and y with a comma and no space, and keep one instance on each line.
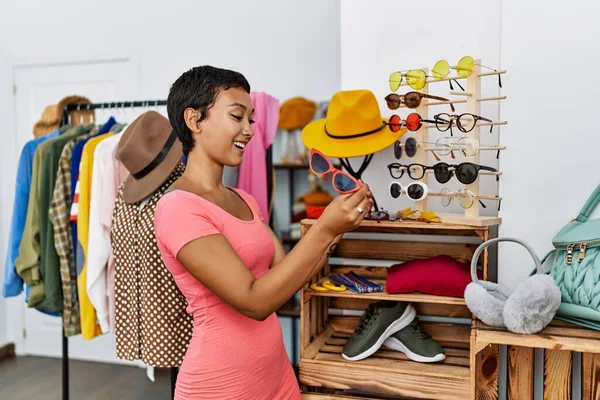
(8,139)
(549,50)
(286,48)
(283,47)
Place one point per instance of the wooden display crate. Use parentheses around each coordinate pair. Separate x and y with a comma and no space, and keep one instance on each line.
(387,372)
(559,340)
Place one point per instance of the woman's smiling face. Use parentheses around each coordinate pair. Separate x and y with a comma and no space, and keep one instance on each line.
(227,130)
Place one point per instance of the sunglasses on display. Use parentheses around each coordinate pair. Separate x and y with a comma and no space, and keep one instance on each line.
(467,145)
(465,196)
(464,68)
(411,100)
(465,172)
(464,122)
(342,182)
(411,145)
(415,171)
(415,191)
(413,122)
(415,78)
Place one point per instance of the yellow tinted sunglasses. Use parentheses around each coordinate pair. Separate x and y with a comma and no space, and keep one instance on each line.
(464,68)
(415,78)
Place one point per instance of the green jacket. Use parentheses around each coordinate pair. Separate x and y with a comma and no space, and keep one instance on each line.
(38,261)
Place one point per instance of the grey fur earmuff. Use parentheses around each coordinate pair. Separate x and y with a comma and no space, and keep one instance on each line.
(528,309)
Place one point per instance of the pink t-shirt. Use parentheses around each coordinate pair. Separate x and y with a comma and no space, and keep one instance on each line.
(230,356)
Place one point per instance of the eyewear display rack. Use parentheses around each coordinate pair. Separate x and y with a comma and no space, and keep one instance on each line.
(327,319)
(129,105)
(472,99)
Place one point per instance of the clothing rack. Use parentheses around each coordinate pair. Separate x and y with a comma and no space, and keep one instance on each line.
(131,104)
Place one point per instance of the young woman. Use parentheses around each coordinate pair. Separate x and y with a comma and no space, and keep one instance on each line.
(224,258)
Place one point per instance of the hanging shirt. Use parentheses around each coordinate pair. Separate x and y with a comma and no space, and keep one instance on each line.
(151,319)
(13,284)
(49,263)
(63,240)
(107,175)
(28,262)
(89,326)
(253,170)
(75,161)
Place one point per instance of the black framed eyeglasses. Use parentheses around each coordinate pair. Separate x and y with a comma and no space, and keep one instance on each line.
(464,122)
(415,171)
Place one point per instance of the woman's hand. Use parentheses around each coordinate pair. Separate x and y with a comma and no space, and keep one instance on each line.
(346,211)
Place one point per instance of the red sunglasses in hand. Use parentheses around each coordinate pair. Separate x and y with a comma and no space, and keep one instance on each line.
(342,182)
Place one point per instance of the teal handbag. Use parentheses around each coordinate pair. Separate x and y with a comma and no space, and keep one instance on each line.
(576,267)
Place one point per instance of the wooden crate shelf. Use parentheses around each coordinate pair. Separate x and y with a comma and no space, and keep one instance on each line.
(559,341)
(389,372)
(414,227)
(416,297)
(556,336)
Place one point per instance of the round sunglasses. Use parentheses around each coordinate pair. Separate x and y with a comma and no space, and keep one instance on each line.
(464,122)
(410,100)
(415,191)
(411,146)
(415,78)
(413,122)
(466,198)
(464,68)
(465,172)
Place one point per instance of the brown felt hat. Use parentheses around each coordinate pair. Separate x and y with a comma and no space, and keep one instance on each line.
(150,150)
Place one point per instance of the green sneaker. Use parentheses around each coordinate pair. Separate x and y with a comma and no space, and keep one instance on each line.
(377,323)
(416,344)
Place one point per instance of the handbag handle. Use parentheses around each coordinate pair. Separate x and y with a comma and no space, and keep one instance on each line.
(536,260)
(589,206)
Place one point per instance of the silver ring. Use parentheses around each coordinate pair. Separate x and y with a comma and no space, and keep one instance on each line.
(360,210)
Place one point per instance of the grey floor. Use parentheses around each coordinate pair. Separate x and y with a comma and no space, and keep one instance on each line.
(40,378)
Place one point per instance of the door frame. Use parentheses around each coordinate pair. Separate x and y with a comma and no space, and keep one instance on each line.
(15,310)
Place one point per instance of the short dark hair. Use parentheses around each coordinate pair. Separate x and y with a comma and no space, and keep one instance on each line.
(198,89)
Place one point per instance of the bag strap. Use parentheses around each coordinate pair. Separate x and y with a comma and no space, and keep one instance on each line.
(589,206)
(483,245)
(542,261)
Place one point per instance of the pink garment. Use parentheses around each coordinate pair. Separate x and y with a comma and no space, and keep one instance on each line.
(230,356)
(253,171)
(115,173)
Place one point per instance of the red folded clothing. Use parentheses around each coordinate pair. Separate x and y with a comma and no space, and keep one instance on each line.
(440,276)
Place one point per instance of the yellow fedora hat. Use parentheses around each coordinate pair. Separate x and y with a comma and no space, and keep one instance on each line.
(353,127)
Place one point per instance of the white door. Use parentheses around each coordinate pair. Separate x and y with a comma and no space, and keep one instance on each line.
(36,87)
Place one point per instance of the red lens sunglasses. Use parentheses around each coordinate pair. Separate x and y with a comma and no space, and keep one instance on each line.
(342,182)
(413,122)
